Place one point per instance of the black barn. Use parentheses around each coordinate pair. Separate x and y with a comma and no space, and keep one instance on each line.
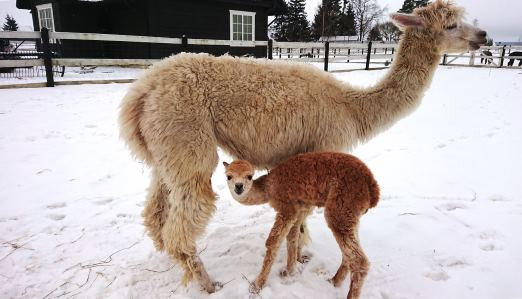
(241,21)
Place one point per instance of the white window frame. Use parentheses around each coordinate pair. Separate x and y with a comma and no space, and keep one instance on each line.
(43,7)
(242,43)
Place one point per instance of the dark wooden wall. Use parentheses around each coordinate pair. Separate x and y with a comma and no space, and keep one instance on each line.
(206,19)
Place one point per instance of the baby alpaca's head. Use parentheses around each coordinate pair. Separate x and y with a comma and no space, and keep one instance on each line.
(239,175)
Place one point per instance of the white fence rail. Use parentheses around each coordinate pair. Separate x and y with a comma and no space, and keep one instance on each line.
(325,52)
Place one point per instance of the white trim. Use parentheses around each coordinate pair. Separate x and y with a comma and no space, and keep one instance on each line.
(43,7)
(242,43)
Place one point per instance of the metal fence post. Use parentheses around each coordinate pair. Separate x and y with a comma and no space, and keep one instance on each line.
(326,51)
(502,56)
(368,55)
(444,59)
(47,57)
(270,48)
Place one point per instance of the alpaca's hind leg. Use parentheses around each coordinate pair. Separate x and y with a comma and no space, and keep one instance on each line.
(185,157)
(344,225)
(156,210)
(191,207)
(282,226)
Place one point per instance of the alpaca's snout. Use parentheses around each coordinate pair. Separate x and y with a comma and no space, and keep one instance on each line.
(238,188)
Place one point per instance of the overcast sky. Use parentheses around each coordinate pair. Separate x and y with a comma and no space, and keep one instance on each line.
(502,19)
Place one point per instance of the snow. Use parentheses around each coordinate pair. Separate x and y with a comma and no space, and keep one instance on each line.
(448,224)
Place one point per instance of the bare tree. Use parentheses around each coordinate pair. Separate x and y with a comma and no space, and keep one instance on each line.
(367,14)
(389,32)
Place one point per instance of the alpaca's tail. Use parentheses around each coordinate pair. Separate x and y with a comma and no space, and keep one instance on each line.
(131,109)
(375,192)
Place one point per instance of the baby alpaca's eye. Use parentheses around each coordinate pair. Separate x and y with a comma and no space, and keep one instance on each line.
(229,177)
(249,177)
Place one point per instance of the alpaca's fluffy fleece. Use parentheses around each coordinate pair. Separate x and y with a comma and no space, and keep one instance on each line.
(340,183)
(176,115)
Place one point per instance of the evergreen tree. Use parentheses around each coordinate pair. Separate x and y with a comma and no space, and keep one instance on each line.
(298,28)
(279,28)
(327,19)
(293,26)
(10,24)
(409,5)
(347,20)
(375,33)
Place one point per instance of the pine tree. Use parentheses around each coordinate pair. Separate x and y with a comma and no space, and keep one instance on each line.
(10,24)
(409,5)
(279,28)
(293,26)
(375,33)
(327,19)
(347,20)
(298,28)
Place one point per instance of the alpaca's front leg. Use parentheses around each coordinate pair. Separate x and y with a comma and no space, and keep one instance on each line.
(282,226)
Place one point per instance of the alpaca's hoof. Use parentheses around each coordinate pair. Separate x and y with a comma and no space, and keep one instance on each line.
(303,259)
(286,273)
(213,287)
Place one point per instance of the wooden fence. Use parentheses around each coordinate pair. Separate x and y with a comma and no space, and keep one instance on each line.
(327,53)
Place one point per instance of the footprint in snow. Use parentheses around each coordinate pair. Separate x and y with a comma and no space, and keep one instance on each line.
(437,276)
(490,247)
(103,201)
(442,145)
(452,206)
(56,217)
(57,205)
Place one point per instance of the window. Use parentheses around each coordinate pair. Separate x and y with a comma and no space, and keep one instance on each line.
(45,16)
(242,26)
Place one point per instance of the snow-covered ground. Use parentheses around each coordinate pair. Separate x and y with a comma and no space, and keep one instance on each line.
(449,224)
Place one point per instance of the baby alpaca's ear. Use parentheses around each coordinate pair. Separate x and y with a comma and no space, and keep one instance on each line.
(225,164)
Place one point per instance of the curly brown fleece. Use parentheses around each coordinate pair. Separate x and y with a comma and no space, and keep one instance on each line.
(340,183)
(183,108)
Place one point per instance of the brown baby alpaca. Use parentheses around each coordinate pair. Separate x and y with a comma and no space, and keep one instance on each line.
(340,183)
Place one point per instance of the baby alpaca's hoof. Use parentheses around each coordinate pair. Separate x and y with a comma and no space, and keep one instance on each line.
(334,282)
(254,288)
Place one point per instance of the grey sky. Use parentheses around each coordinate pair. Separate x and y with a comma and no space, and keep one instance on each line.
(501,18)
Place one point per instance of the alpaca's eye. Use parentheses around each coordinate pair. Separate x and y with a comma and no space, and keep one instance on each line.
(249,177)
(229,177)
(451,27)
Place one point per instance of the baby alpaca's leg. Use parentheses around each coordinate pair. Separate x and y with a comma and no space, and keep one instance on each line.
(303,258)
(282,226)
(292,240)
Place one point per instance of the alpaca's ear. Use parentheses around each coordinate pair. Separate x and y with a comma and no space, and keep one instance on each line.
(225,164)
(404,20)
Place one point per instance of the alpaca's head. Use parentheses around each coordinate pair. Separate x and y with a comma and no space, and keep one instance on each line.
(239,178)
(444,22)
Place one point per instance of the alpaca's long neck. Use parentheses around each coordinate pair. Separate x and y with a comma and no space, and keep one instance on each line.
(403,87)
(256,195)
